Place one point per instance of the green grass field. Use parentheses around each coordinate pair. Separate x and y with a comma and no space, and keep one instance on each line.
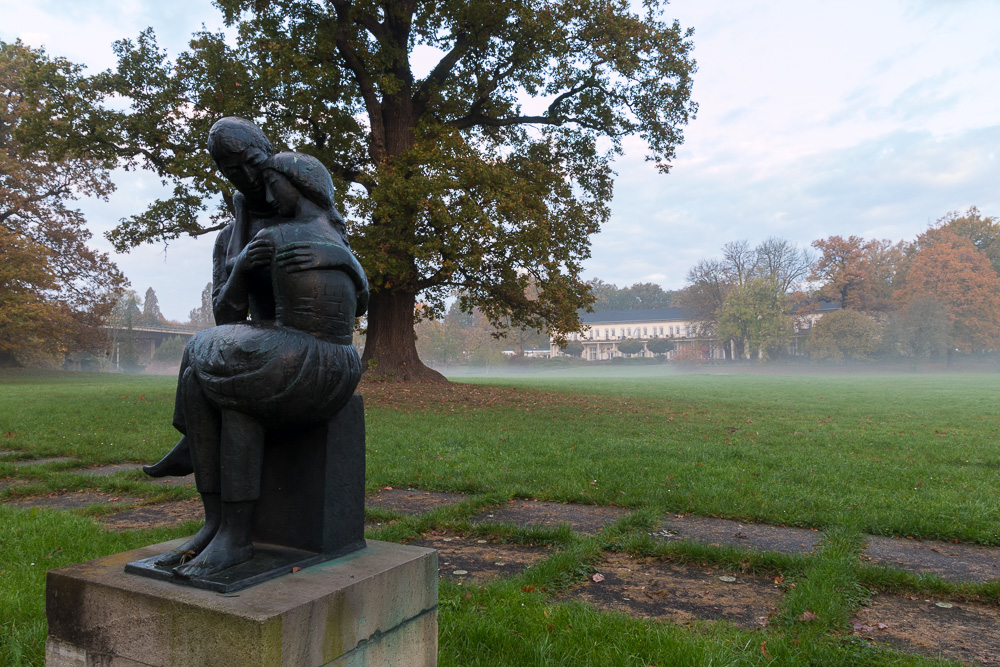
(910,455)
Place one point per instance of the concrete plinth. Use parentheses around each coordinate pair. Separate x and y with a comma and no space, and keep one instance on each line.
(376,606)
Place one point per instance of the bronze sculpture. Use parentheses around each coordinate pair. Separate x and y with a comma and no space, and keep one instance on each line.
(289,268)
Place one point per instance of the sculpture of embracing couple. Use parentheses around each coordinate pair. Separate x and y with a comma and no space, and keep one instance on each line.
(286,291)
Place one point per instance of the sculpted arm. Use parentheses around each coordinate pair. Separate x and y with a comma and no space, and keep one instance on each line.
(230,292)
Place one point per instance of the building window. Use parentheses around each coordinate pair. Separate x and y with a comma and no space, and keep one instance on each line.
(671,331)
(644,331)
(612,333)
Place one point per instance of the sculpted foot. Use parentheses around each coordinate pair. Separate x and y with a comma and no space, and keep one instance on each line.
(201,539)
(177,462)
(230,546)
(217,556)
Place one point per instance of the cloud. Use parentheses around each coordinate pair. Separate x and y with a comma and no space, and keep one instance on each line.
(890,186)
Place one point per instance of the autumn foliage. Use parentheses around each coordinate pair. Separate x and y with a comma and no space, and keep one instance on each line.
(950,270)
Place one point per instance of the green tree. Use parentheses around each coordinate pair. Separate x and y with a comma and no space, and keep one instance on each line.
(630,346)
(489,171)
(923,328)
(844,334)
(170,351)
(151,314)
(743,298)
(574,348)
(203,316)
(59,298)
(660,345)
(754,317)
(639,296)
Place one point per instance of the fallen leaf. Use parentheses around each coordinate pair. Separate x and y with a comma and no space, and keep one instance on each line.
(295,569)
(763,650)
(807,616)
(598,578)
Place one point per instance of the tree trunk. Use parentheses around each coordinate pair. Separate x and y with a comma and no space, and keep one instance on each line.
(390,345)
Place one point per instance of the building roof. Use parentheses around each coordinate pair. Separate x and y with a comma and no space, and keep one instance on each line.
(627,316)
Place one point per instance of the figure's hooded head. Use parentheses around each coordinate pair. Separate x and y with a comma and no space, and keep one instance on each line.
(308,175)
(239,148)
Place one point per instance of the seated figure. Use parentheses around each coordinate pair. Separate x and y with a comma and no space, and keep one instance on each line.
(243,379)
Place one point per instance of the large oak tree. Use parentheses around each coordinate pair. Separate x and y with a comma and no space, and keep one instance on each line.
(471,140)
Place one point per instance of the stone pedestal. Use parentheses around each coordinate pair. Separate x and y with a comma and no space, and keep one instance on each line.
(375,606)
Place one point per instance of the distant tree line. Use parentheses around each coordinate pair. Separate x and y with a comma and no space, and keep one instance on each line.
(933,297)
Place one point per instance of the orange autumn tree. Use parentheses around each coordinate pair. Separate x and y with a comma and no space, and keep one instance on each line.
(948,269)
(857,273)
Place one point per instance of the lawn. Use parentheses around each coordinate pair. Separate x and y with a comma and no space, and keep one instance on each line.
(908,455)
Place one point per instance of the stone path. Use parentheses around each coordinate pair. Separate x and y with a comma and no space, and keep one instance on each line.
(950,561)
(649,587)
(721,532)
(74,500)
(584,519)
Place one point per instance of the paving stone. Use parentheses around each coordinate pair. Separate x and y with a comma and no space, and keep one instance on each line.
(155,516)
(586,519)
(950,561)
(650,588)
(108,470)
(477,559)
(412,501)
(39,462)
(74,500)
(759,537)
(962,631)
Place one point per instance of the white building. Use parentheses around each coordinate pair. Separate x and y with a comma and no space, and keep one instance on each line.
(603,330)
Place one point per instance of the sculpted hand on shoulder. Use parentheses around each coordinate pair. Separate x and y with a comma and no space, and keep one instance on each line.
(302,256)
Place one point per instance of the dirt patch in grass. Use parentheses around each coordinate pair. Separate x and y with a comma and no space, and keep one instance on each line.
(650,588)
(459,397)
(432,397)
(587,519)
(155,516)
(758,537)
(950,561)
(74,500)
(412,501)
(479,560)
(964,631)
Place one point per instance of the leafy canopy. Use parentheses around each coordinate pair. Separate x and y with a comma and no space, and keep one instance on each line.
(55,289)
(471,141)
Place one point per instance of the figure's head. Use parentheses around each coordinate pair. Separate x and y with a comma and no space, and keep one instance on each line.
(291,175)
(239,148)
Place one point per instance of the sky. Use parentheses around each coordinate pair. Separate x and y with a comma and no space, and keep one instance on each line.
(873,118)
